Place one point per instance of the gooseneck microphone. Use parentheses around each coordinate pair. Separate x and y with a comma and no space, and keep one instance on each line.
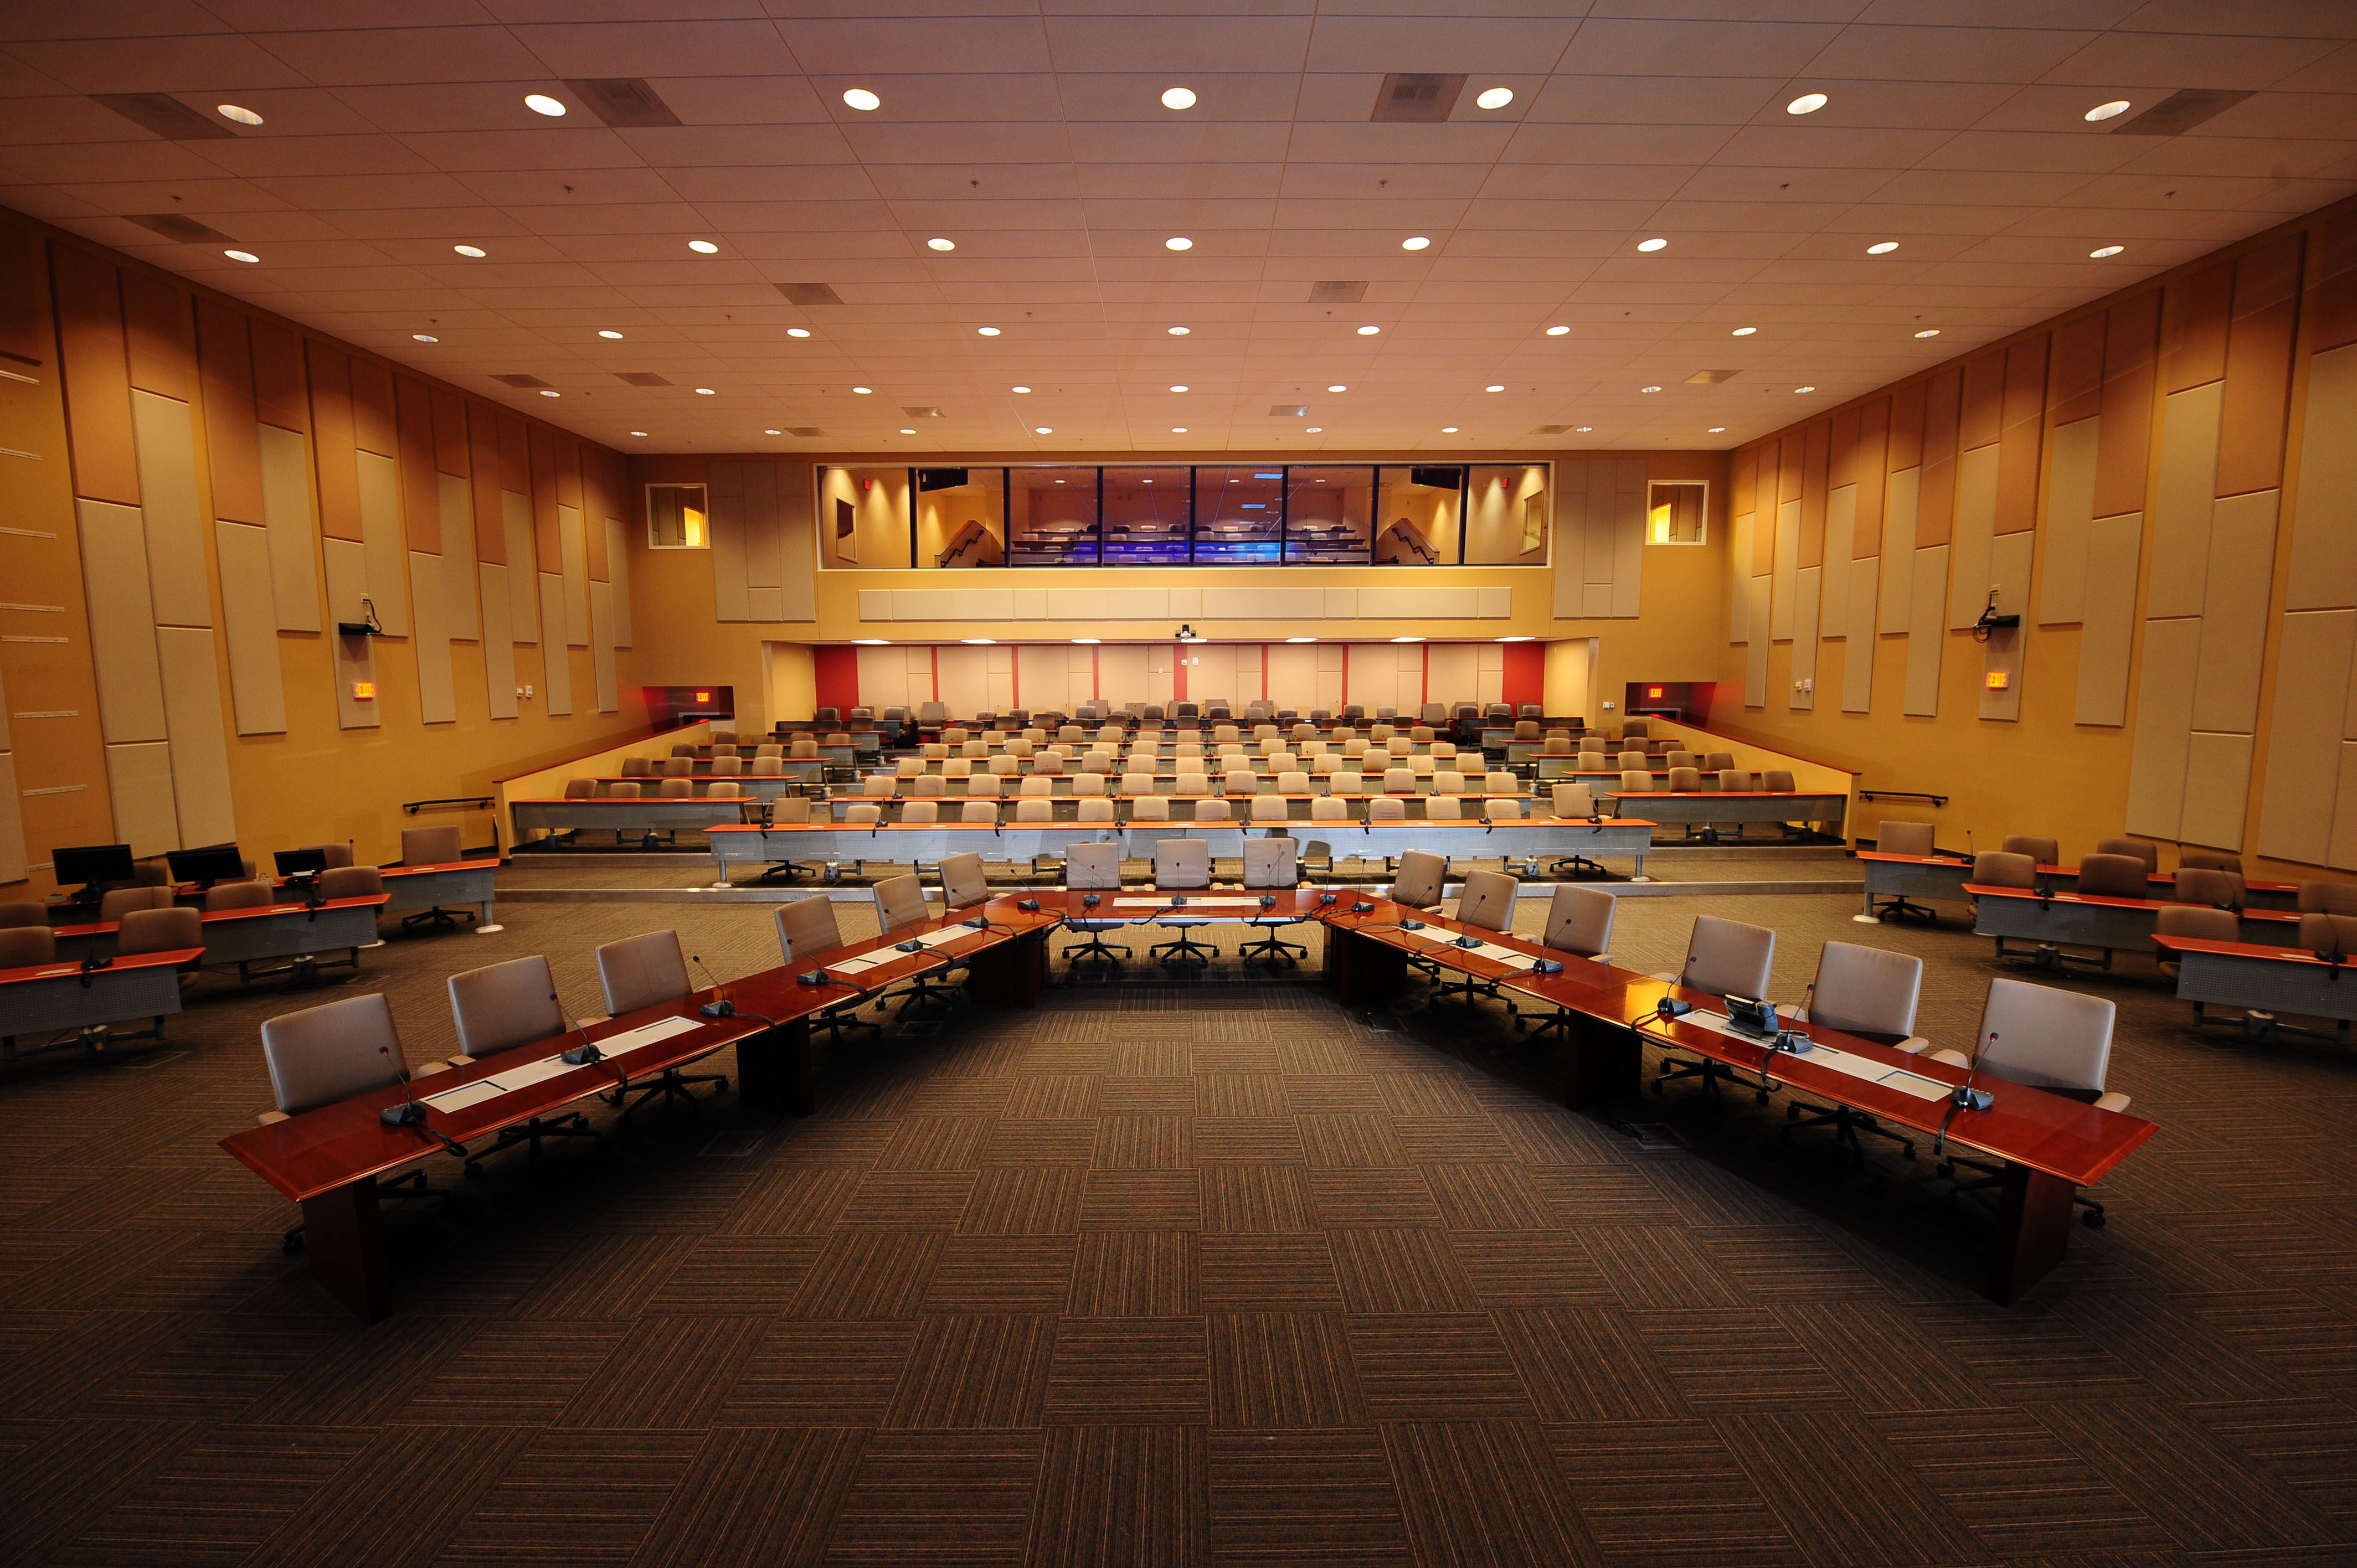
(1964,1098)
(408,1113)
(719,1006)
(587,1051)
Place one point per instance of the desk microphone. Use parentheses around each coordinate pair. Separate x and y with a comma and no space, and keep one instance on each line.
(1964,1098)
(1411,925)
(1088,901)
(587,1051)
(1325,898)
(719,1006)
(1468,940)
(90,966)
(1268,901)
(1671,1008)
(1361,907)
(1028,905)
(1546,966)
(408,1113)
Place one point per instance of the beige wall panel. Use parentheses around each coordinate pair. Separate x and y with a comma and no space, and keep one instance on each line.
(1807,587)
(179,586)
(1427,601)
(1738,591)
(1629,541)
(1603,501)
(2172,651)
(1976,525)
(1595,601)
(725,525)
(293,528)
(1788,563)
(2009,568)
(380,535)
(759,485)
(965,676)
(12,824)
(2070,517)
(617,569)
(499,641)
(797,541)
(257,684)
(192,711)
(884,680)
(139,781)
(1568,557)
(1833,605)
(1454,669)
(522,576)
(2343,853)
(556,658)
(1755,666)
(122,622)
(355,656)
(2295,820)
(7,743)
(438,691)
(2217,788)
(1264,603)
(601,646)
(1859,655)
(1927,639)
(1899,496)
(2182,502)
(453,502)
(2324,526)
(1496,604)
(2235,612)
(2113,547)
(765,604)
(1293,676)
(573,550)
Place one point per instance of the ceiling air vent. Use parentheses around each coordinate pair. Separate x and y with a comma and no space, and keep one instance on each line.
(809,293)
(1550,429)
(642,379)
(1337,293)
(805,430)
(2179,112)
(625,101)
(166,115)
(180,227)
(922,413)
(1288,410)
(1711,378)
(524,384)
(1418,96)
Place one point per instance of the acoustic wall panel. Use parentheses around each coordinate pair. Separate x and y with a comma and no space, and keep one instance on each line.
(601,646)
(2308,810)
(1926,635)
(294,528)
(1976,525)
(13,867)
(1900,495)
(1841,515)
(2107,635)
(1755,667)
(2009,568)
(257,682)
(455,563)
(1629,538)
(2323,545)
(122,622)
(1739,588)
(139,781)
(192,714)
(499,638)
(556,658)
(724,490)
(2182,501)
(522,576)
(574,567)
(2070,517)
(1858,655)
(1568,558)
(1788,562)
(354,658)
(178,585)
(765,604)
(2164,726)
(2217,788)
(437,691)
(796,542)
(379,513)
(2297,812)
(2235,612)
(618,567)
(1808,582)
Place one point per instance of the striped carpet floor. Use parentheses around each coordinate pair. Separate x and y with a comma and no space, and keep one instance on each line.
(1188,1273)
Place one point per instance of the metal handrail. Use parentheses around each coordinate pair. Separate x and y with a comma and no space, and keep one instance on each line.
(414,807)
(1901,795)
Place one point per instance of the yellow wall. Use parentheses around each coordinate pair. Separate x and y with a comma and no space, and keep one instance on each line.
(794,684)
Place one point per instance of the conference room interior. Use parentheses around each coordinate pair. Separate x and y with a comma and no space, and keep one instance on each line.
(1102,787)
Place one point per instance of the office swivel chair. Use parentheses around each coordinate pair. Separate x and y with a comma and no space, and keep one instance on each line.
(1896,837)
(806,928)
(900,901)
(432,846)
(1580,922)
(1486,901)
(640,971)
(1722,958)
(1094,868)
(1180,865)
(1870,993)
(1271,864)
(502,1006)
(323,1055)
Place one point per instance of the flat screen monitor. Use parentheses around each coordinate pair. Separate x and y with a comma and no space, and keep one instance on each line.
(300,861)
(213,863)
(91,864)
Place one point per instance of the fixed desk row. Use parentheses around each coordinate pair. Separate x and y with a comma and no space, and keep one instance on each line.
(1708,807)
(759,786)
(293,931)
(2095,920)
(1009,785)
(55,998)
(1890,875)
(788,767)
(2265,977)
(1181,808)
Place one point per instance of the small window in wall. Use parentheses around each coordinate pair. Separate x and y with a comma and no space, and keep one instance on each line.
(676,518)
(1675,510)
(1417,513)
(960,517)
(867,517)
(1506,514)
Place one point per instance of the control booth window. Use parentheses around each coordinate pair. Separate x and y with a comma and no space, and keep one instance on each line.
(1327,515)
(960,517)
(1241,515)
(1149,516)
(1417,515)
(1506,509)
(676,518)
(864,517)
(1053,517)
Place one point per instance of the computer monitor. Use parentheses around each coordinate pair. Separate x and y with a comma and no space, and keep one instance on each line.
(213,863)
(91,865)
(300,861)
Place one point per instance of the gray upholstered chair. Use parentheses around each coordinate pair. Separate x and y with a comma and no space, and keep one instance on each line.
(1181,867)
(1872,992)
(499,1007)
(329,1054)
(647,971)
(1723,958)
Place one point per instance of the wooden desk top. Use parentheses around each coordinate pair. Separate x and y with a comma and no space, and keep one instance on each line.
(428,870)
(169,958)
(2105,901)
(2265,950)
(250,912)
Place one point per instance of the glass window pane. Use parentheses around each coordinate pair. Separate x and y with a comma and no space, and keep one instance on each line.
(1236,514)
(1327,513)
(1506,515)
(1055,521)
(1147,517)
(1415,517)
(864,517)
(676,518)
(958,517)
(1675,510)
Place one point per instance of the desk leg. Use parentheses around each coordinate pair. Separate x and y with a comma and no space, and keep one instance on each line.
(2033,1231)
(345,1241)
(1011,973)
(774,1071)
(1638,874)
(490,921)
(1602,1062)
(1361,972)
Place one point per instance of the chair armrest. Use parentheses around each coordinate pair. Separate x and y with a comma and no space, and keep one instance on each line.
(1953,1058)
(431,1067)
(268,1117)
(1798,1014)
(2114,1101)
(1672,979)
(1914,1045)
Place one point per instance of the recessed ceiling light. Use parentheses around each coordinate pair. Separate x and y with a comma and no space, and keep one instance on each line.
(1178,243)
(1448,430)
(1806,103)
(863,391)
(1655,243)
(1416,242)
(986,331)
(550,391)
(424,337)
(1181,387)
(1177,429)
(797,331)
(773,433)
(637,433)
(1495,97)
(1042,430)
(1557,332)
(706,391)
(1743,332)
(2100,112)
(608,332)
(1178,98)
(1717,430)
(1369,331)
(1648,388)
(1495,386)
(859,98)
(1928,332)
(1181,331)
(1316,430)
(474,251)
(704,247)
(541,103)
(1021,389)
(906,430)
(1337,386)
(1883,248)
(1804,389)
(940,244)
(242,115)
(2100,251)
(247,257)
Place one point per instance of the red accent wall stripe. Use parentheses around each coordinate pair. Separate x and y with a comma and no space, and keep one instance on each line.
(835,677)
(1524,677)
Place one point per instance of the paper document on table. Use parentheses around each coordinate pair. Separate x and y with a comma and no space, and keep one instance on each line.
(646,1035)
(849,966)
(944,937)
(1873,1071)
(467,1094)
(524,1077)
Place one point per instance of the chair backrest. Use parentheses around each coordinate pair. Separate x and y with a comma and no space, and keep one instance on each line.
(1636,729)
(1777,780)
(1293,781)
(1036,784)
(1717,760)
(627,789)
(1048,763)
(1488,900)
(1272,861)
(1447,781)
(806,749)
(920,811)
(1031,809)
(863,815)
(350,882)
(117,902)
(1526,729)
(2112,875)
(638,972)
(929,784)
(2225,926)
(1685,781)
(963,883)
(1399,781)
(957,767)
(1006,763)
(1580,920)
(2043,1036)
(429,846)
(978,812)
(1734,780)
(160,930)
(955,735)
(238,895)
(1137,783)
(1093,866)
(678,767)
(2210,860)
(2046,852)
(1381,734)
(727,767)
(1893,836)
(331,1053)
(1387,809)
(1728,957)
(1194,784)
(1636,781)
(1150,808)
(879,786)
(683,749)
(900,901)
(1095,809)
(932,714)
(2143,848)
(637,766)
(1421,873)
(767,749)
(581,789)
(30,914)
(1182,863)
(1436,807)
(22,947)
(1502,809)
(505,1005)
(1681,759)
(1867,991)
(677,789)
(765,767)
(1268,809)
(2333,897)
(1239,781)
(2202,885)
(1325,809)
(2002,868)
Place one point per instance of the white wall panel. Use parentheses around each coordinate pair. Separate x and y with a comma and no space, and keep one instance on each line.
(437,690)
(294,526)
(1926,638)
(355,658)
(122,622)
(1738,595)
(965,676)
(1787,565)
(573,550)
(1456,670)
(2217,788)
(1628,538)
(2164,726)
(1975,526)
(556,658)
(2235,612)
(1293,676)
(1901,492)
(2114,546)
(2295,820)
(139,779)
(618,572)
(2323,543)
(2070,519)
(381,540)
(1862,645)
(200,742)
(2182,502)
(601,646)
(456,507)
(523,571)
(1755,666)
(1833,605)
(12,824)
(250,626)
(1807,583)
(498,640)
(178,583)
